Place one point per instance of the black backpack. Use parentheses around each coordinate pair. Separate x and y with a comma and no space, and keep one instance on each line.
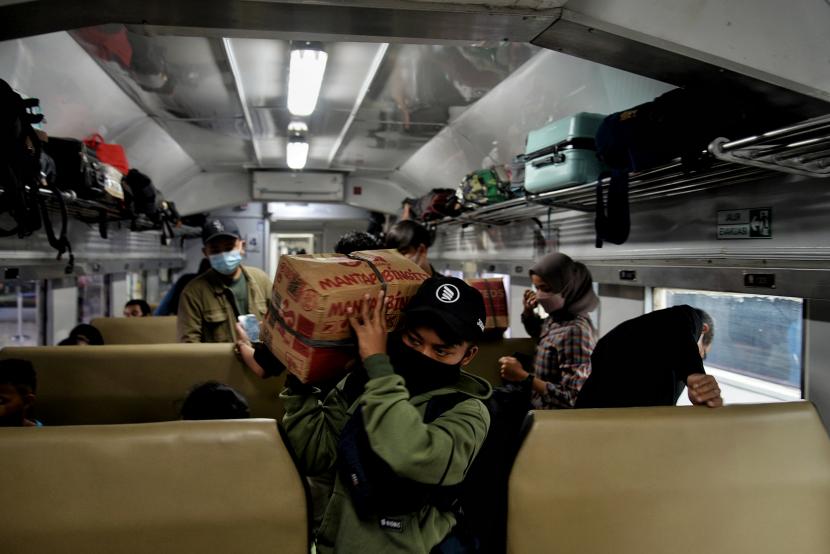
(145,197)
(24,169)
(479,502)
(20,151)
(678,124)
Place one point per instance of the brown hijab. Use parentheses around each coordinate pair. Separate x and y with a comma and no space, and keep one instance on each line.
(570,279)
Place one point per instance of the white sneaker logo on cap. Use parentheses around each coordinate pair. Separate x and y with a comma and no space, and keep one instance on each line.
(447,293)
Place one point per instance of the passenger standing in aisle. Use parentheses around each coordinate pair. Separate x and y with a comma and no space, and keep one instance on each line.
(212,302)
(413,241)
(379,415)
(564,289)
(625,374)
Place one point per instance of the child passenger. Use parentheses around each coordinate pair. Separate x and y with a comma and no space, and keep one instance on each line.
(564,289)
(385,400)
(214,400)
(18,386)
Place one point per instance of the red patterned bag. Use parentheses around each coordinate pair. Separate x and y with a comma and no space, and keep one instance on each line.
(111,154)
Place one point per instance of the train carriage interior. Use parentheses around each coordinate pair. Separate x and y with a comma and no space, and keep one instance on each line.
(299,121)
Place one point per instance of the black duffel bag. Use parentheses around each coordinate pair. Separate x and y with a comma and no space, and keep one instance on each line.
(678,124)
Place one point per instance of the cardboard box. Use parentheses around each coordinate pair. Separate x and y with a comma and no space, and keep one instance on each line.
(315,340)
(495,304)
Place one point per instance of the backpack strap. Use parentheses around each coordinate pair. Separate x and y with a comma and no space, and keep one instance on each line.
(438,405)
(614,222)
(61,243)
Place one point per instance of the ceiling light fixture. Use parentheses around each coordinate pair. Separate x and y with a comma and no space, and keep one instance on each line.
(305,77)
(296,151)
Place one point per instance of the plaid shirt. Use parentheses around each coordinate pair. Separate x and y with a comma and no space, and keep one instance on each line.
(563,359)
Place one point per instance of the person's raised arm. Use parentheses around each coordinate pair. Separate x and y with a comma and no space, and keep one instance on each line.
(531,321)
(704,390)
(436,453)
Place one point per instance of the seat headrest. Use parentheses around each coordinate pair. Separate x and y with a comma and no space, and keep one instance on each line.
(196,486)
(652,480)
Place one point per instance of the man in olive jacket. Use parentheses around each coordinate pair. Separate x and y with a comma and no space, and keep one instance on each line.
(210,303)
(396,381)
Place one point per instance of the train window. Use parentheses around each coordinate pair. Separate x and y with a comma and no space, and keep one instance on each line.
(757,350)
(20,314)
(135,285)
(91,297)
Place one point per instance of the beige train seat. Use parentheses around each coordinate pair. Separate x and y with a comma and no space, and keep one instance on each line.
(80,385)
(181,487)
(753,478)
(485,364)
(137,330)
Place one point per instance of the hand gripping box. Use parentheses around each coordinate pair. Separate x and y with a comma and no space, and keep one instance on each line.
(495,305)
(313,337)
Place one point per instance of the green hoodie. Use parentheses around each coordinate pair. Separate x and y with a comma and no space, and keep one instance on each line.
(438,453)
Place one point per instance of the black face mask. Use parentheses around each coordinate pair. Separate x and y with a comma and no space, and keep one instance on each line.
(421,373)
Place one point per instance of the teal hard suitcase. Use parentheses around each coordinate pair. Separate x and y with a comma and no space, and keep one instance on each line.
(562,154)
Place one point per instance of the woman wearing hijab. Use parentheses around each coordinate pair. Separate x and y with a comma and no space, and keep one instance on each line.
(564,289)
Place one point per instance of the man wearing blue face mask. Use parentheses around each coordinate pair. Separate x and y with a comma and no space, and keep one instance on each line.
(212,302)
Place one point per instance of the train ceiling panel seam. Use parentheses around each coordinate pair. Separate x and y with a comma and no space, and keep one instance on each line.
(243,101)
(421,22)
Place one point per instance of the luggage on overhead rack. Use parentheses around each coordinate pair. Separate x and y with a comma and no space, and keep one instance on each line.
(111,154)
(24,170)
(436,204)
(517,176)
(678,124)
(485,186)
(146,199)
(20,163)
(562,154)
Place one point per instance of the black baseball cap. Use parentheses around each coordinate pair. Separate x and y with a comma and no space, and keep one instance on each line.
(455,302)
(215,228)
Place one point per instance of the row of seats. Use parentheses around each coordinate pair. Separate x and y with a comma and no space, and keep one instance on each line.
(162,330)
(645,481)
(137,330)
(81,385)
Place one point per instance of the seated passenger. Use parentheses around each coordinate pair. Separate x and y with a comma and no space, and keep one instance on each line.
(355,241)
(137,308)
(83,335)
(377,415)
(212,302)
(169,305)
(18,386)
(564,289)
(213,400)
(647,361)
(413,241)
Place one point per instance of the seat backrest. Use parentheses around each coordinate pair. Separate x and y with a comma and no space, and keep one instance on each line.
(485,364)
(184,487)
(752,478)
(80,385)
(137,330)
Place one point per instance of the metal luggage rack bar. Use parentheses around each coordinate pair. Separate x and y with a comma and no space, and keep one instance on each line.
(92,212)
(803,149)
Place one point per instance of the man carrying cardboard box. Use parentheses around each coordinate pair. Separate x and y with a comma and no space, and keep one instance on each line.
(375,431)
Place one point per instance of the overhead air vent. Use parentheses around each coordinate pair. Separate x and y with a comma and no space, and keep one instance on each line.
(307,186)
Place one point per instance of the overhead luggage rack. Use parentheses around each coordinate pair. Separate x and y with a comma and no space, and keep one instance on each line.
(803,149)
(92,212)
